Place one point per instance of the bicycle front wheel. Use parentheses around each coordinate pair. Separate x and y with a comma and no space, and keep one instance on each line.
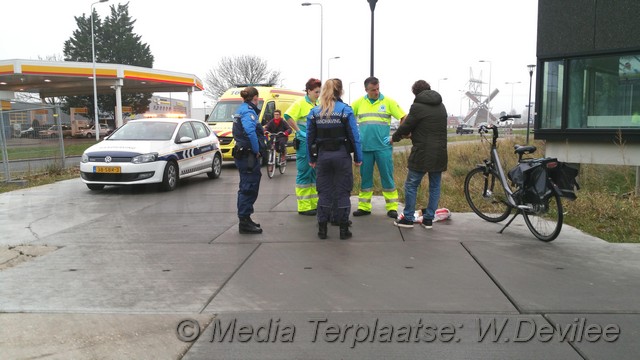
(545,220)
(283,164)
(271,164)
(485,195)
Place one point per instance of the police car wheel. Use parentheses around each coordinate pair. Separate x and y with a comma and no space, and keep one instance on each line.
(170,178)
(216,167)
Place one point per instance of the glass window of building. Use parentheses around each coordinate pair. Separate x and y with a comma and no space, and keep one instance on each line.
(552,94)
(603,92)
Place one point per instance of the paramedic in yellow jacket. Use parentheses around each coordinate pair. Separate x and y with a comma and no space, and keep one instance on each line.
(296,116)
(373,113)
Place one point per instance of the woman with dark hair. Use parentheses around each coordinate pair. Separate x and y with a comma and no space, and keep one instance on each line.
(296,116)
(332,128)
(249,136)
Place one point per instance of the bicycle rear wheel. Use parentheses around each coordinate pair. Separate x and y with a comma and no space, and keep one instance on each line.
(271,164)
(485,195)
(545,220)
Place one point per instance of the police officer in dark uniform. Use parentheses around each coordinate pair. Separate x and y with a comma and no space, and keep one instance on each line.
(249,136)
(332,135)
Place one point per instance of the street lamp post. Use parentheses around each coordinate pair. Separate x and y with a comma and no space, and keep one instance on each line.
(439,82)
(96,125)
(321,32)
(372,5)
(329,65)
(512,83)
(353,82)
(204,109)
(489,95)
(531,67)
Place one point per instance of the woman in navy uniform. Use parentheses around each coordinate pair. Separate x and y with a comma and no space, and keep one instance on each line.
(249,136)
(332,135)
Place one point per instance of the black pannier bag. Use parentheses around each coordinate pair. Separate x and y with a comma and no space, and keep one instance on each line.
(530,179)
(516,175)
(564,176)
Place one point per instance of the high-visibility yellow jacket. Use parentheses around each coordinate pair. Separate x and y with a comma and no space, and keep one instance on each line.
(374,120)
(298,112)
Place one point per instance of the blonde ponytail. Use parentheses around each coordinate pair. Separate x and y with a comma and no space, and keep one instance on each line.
(331,91)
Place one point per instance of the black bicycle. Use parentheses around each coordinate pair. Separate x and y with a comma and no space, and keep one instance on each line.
(536,192)
(275,159)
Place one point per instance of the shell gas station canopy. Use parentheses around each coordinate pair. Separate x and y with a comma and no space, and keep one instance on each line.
(65,78)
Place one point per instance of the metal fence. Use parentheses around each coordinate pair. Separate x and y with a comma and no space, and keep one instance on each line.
(32,141)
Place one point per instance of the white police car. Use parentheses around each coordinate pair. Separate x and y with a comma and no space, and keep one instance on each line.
(152,151)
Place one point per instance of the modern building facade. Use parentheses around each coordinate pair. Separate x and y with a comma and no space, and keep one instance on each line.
(588,76)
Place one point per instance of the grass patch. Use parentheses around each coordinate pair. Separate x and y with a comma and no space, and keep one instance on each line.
(606,206)
(403,142)
(46,150)
(52,174)
(465,137)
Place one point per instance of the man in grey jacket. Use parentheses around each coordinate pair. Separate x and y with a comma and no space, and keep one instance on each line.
(427,126)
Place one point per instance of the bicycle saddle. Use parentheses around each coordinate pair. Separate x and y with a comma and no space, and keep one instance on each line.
(527,149)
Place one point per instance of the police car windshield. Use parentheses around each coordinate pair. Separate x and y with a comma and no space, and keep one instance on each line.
(145,130)
(224,110)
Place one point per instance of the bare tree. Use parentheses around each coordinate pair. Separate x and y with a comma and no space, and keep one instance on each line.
(245,69)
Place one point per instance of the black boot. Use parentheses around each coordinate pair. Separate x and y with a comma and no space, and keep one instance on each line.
(322,230)
(253,222)
(246,226)
(344,231)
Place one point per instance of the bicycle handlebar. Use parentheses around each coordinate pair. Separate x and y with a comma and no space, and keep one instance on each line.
(483,129)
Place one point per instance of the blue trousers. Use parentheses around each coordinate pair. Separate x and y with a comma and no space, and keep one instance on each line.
(384,160)
(334,181)
(306,174)
(411,190)
(249,169)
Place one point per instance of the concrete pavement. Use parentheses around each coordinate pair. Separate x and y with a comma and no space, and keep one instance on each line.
(132,273)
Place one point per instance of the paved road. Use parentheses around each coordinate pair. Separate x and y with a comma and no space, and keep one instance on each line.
(131,273)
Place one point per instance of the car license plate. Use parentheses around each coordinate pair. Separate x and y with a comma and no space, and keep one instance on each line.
(106,169)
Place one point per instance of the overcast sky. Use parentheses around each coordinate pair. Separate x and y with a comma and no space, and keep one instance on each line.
(414,39)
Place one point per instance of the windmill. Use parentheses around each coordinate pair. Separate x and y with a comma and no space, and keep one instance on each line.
(480,108)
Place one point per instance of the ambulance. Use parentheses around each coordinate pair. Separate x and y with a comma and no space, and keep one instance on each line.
(220,119)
